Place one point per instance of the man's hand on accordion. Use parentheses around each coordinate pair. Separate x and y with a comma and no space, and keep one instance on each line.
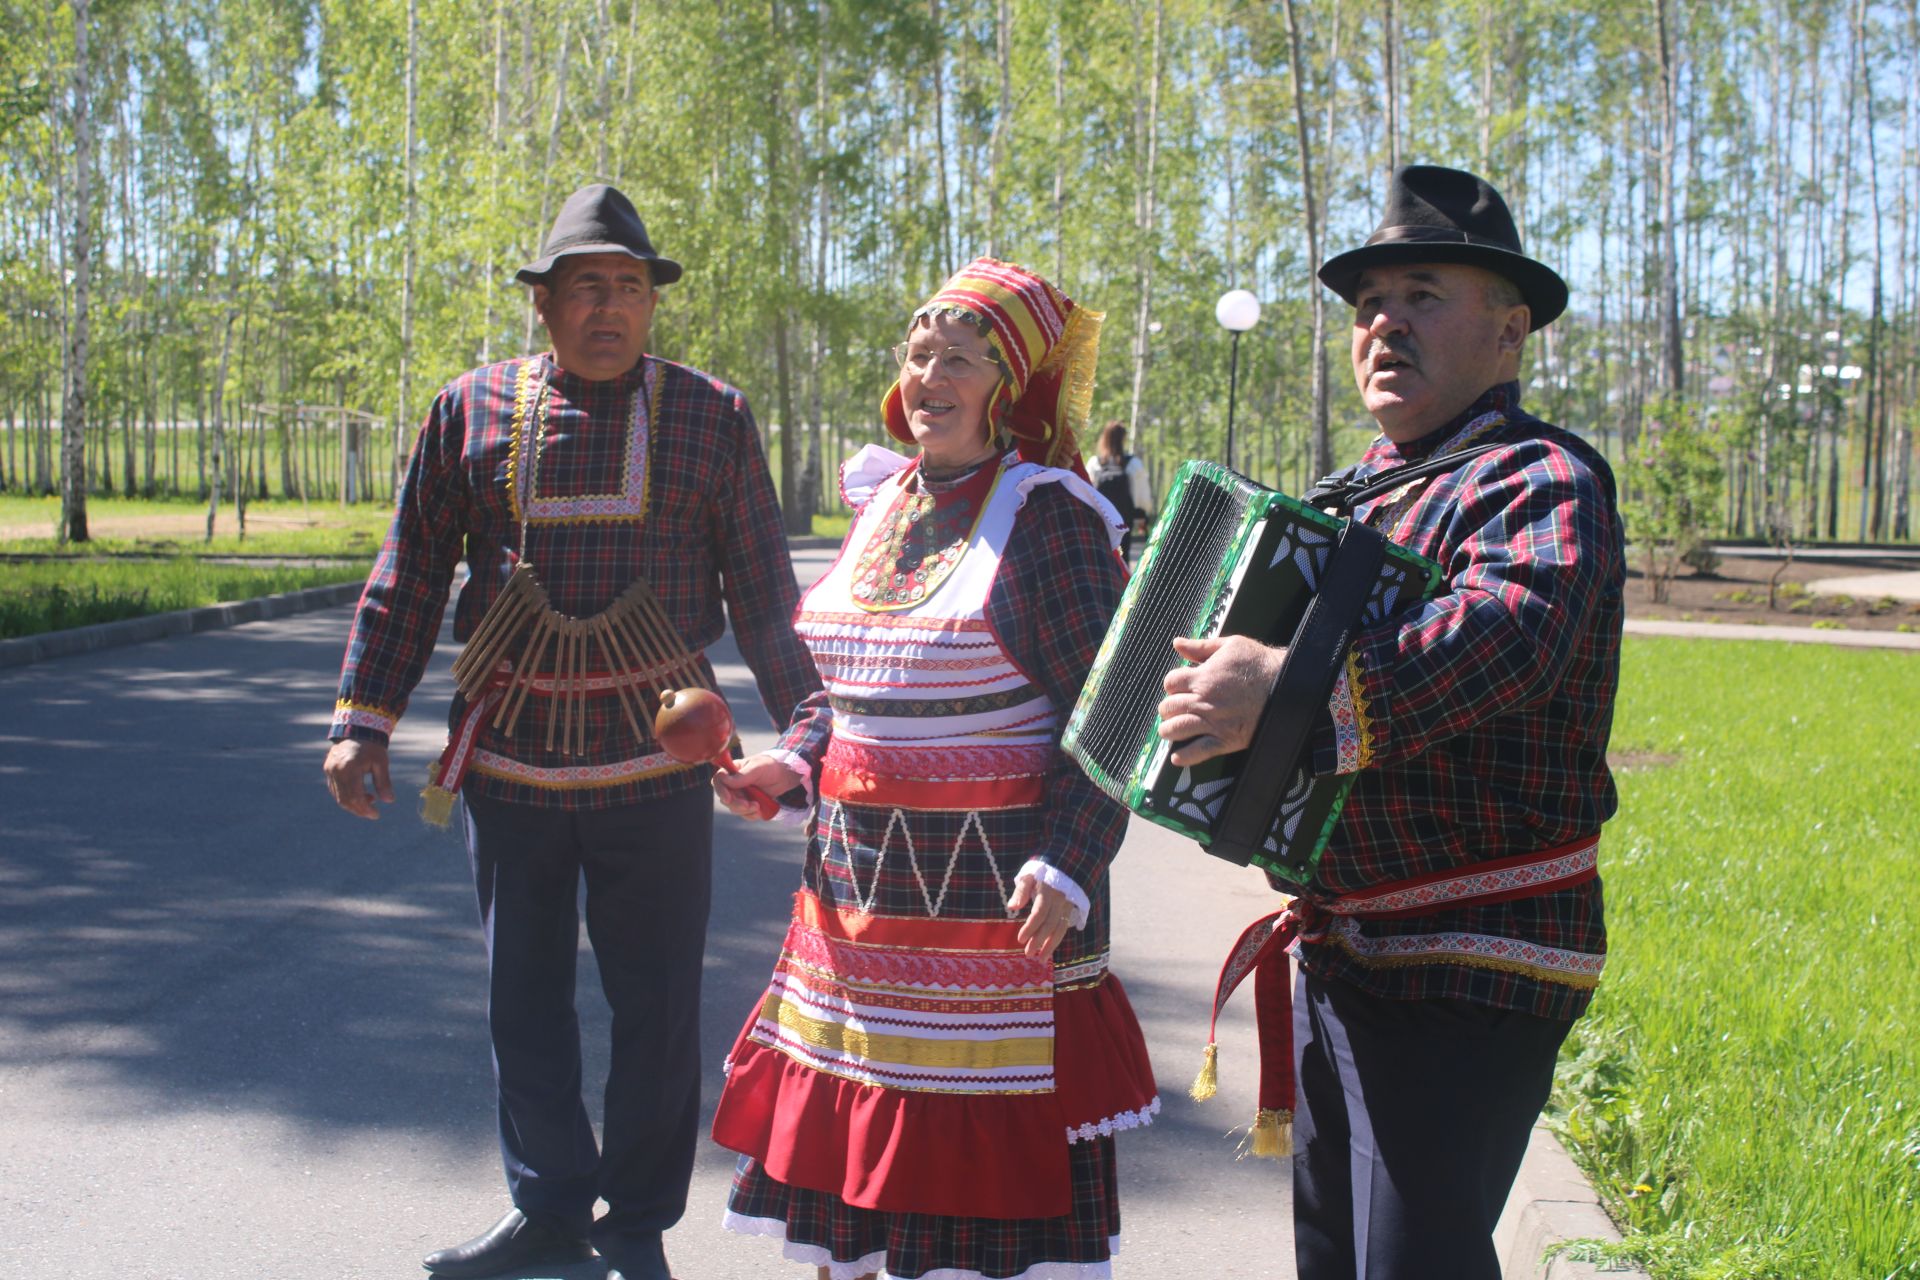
(1213,707)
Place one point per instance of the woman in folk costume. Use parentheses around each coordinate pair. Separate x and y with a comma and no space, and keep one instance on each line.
(932,1082)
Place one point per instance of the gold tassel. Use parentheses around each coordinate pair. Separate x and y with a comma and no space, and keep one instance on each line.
(1078,349)
(1207,1083)
(436,803)
(1271,1137)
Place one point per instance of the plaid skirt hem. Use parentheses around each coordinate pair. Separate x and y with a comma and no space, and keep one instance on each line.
(812,1255)
(872,1264)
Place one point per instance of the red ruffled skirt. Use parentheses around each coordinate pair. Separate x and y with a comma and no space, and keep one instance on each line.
(928,1066)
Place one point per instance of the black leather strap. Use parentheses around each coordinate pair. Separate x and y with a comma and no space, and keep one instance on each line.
(1306,680)
(1341,492)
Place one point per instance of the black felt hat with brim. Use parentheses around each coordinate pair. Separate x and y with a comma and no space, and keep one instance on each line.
(1447,215)
(598,219)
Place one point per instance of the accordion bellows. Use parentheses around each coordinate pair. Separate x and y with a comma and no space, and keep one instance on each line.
(1226,557)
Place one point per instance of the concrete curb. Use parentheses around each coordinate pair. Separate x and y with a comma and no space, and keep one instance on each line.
(1552,1201)
(155,626)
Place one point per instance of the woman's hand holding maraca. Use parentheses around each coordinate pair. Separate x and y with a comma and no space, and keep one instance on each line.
(762,771)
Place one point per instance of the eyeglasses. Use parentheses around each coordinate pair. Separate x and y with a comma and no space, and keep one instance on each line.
(957,363)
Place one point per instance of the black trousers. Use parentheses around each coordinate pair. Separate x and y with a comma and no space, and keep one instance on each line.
(1409,1126)
(648,871)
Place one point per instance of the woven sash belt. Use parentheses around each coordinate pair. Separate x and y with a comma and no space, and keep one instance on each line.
(1263,947)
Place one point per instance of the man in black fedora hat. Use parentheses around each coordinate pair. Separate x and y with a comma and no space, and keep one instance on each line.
(564,479)
(1457,932)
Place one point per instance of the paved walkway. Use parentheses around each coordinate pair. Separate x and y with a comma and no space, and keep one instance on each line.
(1791,635)
(244,1034)
(1870,586)
(238,1029)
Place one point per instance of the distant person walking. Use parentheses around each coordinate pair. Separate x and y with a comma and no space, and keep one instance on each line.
(613,472)
(1122,480)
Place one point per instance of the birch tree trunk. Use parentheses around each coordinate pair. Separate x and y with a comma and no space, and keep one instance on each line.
(553,152)
(405,396)
(219,464)
(1002,124)
(1672,358)
(940,140)
(1908,274)
(1872,481)
(1322,446)
(73,421)
(603,39)
(1777,163)
(1146,160)
(1390,84)
(496,139)
(1060,151)
(810,473)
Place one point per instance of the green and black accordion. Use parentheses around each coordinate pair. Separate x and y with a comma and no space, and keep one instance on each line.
(1231,557)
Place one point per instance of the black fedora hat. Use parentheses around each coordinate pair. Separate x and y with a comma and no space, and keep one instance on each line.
(598,219)
(1447,215)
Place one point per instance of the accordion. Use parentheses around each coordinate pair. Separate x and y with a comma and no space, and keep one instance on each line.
(1230,557)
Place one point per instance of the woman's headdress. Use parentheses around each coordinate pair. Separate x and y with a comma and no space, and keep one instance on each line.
(1047,346)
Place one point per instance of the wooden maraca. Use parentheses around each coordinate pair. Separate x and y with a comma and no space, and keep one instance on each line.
(695,725)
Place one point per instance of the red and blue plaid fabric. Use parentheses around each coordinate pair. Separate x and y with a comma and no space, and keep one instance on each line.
(696,516)
(1484,718)
(820,1228)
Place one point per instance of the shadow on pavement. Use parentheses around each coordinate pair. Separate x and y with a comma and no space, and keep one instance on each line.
(185,917)
(196,946)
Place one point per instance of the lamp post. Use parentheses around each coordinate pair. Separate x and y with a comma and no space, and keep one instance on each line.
(1237,311)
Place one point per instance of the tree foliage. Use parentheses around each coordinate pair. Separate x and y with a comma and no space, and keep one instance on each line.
(1678,480)
(820,165)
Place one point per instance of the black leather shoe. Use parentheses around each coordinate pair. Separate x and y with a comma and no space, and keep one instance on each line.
(511,1244)
(640,1259)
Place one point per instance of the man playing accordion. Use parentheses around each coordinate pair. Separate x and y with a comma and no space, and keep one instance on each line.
(1475,728)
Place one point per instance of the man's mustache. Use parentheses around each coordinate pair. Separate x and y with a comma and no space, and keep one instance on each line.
(1399,348)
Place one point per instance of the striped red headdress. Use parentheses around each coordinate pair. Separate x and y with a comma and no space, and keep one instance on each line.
(1048,347)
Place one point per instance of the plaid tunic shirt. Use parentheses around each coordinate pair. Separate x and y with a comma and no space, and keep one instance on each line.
(687,503)
(1478,725)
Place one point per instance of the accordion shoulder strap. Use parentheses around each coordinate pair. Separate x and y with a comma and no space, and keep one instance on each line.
(1306,681)
(1342,491)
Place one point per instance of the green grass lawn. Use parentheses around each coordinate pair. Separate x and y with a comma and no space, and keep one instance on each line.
(831,526)
(53,596)
(276,526)
(325,528)
(1746,1089)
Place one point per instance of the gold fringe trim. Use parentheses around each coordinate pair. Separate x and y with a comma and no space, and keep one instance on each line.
(1362,719)
(436,802)
(1079,350)
(1207,1083)
(1271,1137)
(516,433)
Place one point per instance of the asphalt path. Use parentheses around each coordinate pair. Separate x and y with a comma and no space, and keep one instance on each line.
(242,1034)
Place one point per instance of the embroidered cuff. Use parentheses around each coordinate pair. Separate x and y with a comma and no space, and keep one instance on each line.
(791,814)
(349,716)
(1054,878)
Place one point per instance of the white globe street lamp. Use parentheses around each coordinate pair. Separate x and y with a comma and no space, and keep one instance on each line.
(1237,311)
